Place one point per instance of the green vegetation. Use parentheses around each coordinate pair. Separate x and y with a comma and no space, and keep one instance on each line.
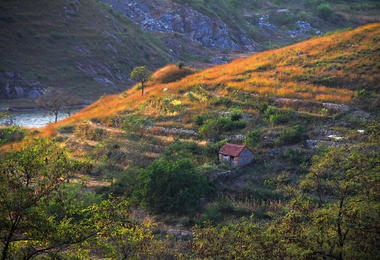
(325,11)
(142,75)
(150,184)
(31,179)
(332,214)
(168,186)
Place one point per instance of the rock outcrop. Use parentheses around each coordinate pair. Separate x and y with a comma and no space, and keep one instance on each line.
(167,16)
(13,85)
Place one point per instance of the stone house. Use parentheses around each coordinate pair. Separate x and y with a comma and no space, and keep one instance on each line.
(235,155)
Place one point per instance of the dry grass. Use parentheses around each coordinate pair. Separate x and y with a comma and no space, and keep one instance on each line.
(332,69)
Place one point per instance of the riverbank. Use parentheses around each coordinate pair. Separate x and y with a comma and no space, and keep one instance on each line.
(33,118)
(25,104)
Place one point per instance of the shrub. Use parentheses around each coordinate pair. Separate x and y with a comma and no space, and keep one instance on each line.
(275,116)
(168,186)
(363,93)
(303,16)
(236,115)
(198,120)
(210,129)
(66,129)
(218,101)
(295,156)
(172,73)
(180,64)
(281,19)
(178,150)
(292,136)
(262,107)
(271,110)
(253,138)
(325,11)
(212,149)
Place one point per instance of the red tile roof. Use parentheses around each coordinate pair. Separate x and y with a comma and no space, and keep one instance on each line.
(232,149)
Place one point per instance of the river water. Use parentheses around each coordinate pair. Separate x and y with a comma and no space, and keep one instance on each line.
(34,117)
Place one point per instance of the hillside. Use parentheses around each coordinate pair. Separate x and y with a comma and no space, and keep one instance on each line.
(323,87)
(327,69)
(89,47)
(152,181)
(83,47)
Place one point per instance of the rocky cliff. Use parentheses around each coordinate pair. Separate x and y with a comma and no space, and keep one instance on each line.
(168,16)
(13,85)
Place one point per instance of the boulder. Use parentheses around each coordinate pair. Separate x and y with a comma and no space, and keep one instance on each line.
(13,86)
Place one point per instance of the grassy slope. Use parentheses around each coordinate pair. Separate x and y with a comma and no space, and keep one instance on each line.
(68,43)
(330,68)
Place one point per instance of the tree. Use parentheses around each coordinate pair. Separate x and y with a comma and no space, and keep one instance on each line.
(142,75)
(30,178)
(55,101)
(168,186)
(254,138)
(325,11)
(8,129)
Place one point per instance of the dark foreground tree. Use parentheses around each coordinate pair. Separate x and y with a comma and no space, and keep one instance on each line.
(30,177)
(7,128)
(142,75)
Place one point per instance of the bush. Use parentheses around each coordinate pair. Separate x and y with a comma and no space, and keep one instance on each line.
(213,127)
(212,149)
(236,115)
(271,110)
(253,138)
(210,129)
(199,119)
(295,156)
(303,16)
(168,186)
(180,64)
(262,107)
(282,19)
(275,116)
(292,136)
(218,101)
(363,93)
(66,129)
(325,11)
(178,150)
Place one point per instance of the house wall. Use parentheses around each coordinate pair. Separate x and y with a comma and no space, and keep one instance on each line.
(245,157)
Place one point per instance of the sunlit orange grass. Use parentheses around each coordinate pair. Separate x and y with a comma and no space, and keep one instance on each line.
(162,71)
(333,98)
(103,108)
(264,82)
(286,93)
(211,75)
(325,90)
(305,96)
(223,79)
(265,90)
